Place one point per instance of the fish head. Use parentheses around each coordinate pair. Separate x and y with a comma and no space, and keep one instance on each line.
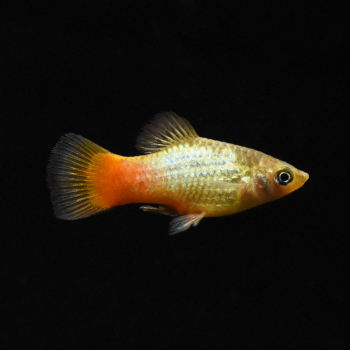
(269,180)
(284,179)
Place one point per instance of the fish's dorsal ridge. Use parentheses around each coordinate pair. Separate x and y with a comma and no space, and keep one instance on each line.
(164,130)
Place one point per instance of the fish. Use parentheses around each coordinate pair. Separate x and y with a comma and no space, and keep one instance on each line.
(179,174)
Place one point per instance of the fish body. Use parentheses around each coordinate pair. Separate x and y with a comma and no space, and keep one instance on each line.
(190,177)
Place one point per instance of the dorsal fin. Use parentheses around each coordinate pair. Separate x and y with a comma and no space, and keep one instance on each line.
(164,130)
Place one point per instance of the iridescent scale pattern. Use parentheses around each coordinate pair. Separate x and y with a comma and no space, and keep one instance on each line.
(202,174)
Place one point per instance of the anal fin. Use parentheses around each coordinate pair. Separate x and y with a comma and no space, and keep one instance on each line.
(184,222)
(162,209)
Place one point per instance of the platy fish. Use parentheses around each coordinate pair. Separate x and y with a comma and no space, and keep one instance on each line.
(187,176)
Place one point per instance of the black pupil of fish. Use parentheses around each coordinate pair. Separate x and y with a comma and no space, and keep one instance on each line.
(284,177)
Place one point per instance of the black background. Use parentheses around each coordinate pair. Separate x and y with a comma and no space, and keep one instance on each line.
(273,78)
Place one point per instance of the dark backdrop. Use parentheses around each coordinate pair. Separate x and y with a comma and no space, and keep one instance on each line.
(266,77)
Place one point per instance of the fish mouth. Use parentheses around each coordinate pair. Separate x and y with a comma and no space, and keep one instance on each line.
(305,176)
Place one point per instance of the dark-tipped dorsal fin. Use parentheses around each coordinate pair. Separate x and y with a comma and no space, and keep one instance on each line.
(164,130)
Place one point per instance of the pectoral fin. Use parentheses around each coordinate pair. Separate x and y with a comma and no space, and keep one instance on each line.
(224,185)
(184,222)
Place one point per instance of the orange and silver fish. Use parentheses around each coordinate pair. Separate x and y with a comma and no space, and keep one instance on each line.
(188,176)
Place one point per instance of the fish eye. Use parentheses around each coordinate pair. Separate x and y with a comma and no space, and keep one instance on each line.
(284,177)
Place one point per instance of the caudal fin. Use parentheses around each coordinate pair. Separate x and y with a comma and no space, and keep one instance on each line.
(71,172)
